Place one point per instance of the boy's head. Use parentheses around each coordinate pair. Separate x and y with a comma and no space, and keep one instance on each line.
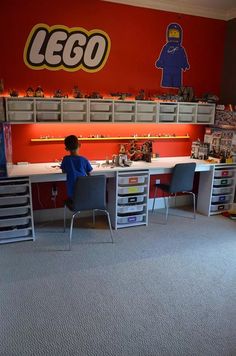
(72,143)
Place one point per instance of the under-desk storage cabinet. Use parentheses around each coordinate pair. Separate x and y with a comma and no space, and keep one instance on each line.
(16,216)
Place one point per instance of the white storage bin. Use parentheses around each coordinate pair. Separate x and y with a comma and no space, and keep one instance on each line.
(14,200)
(13,189)
(223,181)
(223,190)
(204,118)
(224,173)
(100,117)
(167,118)
(220,207)
(146,117)
(131,190)
(205,109)
(131,199)
(186,118)
(130,219)
(14,211)
(131,180)
(164,108)
(15,233)
(100,106)
(21,105)
(48,105)
(74,116)
(124,107)
(48,116)
(14,222)
(221,198)
(124,117)
(20,116)
(74,106)
(186,109)
(124,209)
(146,108)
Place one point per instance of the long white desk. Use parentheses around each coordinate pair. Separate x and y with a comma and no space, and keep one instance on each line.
(50,172)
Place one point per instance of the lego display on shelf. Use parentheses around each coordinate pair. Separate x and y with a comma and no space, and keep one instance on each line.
(225,118)
(29,92)
(39,93)
(13,93)
(77,94)
(121,95)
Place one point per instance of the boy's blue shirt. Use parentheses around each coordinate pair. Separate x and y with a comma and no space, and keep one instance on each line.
(74,166)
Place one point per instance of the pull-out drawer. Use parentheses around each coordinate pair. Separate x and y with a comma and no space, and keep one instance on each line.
(74,116)
(20,116)
(223,190)
(15,211)
(186,118)
(124,209)
(23,105)
(205,109)
(48,105)
(168,108)
(204,118)
(130,219)
(74,106)
(131,199)
(219,207)
(125,107)
(48,116)
(224,173)
(7,189)
(148,108)
(124,117)
(221,198)
(223,181)
(145,117)
(131,190)
(14,200)
(96,106)
(167,118)
(131,180)
(186,109)
(15,233)
(100,116)
(11,222)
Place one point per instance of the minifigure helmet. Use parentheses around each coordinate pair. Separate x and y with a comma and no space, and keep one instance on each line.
(174,33)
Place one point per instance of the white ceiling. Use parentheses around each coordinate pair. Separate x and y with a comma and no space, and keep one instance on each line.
(217,9)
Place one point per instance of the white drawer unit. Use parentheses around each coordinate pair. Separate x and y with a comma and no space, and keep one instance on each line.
(205,113)
(186,113)
(74,110)
(16,216)
(130,191)
(20,109)
(124,111)
(100,110)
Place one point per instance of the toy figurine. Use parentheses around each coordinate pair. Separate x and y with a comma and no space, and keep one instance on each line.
(141,95)
(39,92)
(77,93)
(147,151)
(30,92)
(121,96)
(58,94)
(94,95)
(1,86)
(13,92)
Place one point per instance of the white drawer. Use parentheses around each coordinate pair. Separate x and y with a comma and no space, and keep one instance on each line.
(126,107)
(186,109)
(124,117)
(124,209)
(100,116)
(204,118)
(185,118)
(131,199)
(130,219)
(131,190)
(74,116)
(14,200)
(14,233)
(100,106)
(20,116)
(48,116)
(221,198)
(222,181)
(164,108)
(13,189)
(205,109)
(146,108)
(74,106)
(224,173)
(131,180)
(220,207)
(167,118)
(21,105)
(223,190)
(14,211)
(14,222)
(48,105)
(146,117)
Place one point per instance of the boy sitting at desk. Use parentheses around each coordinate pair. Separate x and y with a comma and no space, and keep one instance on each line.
(74,165)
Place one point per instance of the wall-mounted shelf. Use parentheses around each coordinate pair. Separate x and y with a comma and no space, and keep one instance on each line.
(58,139)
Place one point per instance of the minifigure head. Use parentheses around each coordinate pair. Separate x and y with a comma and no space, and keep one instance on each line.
(174,33)
(72,144)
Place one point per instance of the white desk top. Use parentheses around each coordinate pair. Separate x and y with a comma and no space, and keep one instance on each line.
(50,172)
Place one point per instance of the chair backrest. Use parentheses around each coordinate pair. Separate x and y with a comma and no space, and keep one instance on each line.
(182,177)
(90,193)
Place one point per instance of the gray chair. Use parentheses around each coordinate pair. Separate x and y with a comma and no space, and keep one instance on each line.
(181,182)
(89,195)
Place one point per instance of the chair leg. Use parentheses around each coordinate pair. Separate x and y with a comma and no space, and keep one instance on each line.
(93,217)
(166,207)
(194,203)
(71,228)
(109,221)
(154,199)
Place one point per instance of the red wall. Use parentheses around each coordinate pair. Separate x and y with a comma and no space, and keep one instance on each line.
(137,36)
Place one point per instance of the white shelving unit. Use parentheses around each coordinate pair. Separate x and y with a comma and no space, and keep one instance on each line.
(29,110)
(217,189)
(129,191)
(16,215)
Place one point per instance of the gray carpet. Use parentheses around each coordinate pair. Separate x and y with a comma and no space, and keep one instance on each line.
(158,290)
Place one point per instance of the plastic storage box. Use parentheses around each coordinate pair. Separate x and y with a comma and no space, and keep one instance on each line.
(131,199)
(131,180)
(124,209)
(130,219)
(131,190)
(220,207)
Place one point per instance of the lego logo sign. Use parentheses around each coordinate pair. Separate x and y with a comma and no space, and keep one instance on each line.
(71,49)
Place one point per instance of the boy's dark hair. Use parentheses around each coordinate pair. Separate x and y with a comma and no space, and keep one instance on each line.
(71,142)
